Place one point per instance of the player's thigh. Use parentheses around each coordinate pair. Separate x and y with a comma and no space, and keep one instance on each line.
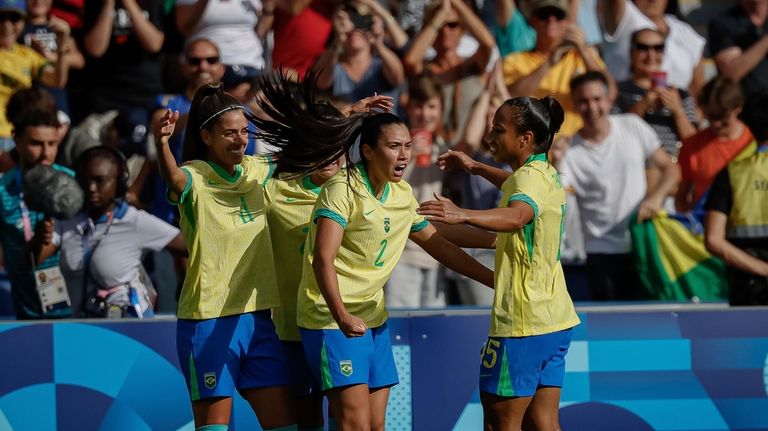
(542,413)
(350,406)
(274,406)
(212,411)
(378,401)
(503,413)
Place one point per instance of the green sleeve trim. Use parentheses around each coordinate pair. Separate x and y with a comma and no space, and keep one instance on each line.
(527,199)
(333,215)
(183,196)
(418,227)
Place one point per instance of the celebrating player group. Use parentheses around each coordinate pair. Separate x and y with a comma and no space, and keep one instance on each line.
(289,253)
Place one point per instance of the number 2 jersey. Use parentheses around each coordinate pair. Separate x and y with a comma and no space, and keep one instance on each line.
(223,220)
(375,233)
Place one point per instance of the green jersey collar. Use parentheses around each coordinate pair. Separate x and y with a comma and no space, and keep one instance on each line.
(224,174)
(369,185)
(310,186)
(541,157)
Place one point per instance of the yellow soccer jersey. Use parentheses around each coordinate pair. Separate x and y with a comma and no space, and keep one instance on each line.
(375,233)
(531,297)
(223,220)
(289,209)
(18,67)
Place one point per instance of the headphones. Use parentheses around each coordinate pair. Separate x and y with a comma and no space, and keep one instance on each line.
(122,167)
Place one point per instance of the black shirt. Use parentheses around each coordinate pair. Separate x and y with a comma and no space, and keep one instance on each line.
(734,29)
(126,72)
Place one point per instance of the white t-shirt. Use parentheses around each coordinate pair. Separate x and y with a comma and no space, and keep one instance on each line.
(609,181)
(231,25)
(683,51)
(116,258)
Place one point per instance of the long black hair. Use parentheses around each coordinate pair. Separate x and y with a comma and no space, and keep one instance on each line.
(543,117)
(306,137)
(209,103)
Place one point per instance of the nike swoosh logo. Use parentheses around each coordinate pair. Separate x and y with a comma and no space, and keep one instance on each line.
(369,212)
(290,199)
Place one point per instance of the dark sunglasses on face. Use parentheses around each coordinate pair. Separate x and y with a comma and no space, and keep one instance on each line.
(10,16)
(452,25)
(195,61)
(545,13)
(643,47)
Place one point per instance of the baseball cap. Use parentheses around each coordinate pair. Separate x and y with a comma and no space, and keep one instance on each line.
(535,5)
(18,6)
(236,74)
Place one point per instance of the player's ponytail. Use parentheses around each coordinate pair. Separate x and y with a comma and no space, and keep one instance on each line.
(556,116)
(209,103)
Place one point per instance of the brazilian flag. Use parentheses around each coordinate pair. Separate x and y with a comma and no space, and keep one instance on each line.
(673,263)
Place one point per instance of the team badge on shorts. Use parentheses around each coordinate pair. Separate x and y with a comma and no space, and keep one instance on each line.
(386,224)
(345,367)
(210,380)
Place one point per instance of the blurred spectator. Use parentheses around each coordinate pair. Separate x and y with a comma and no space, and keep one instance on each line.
(40,34)
(358,63)
(460,78)
(737,217)
(414,280)
(605,169)
(236,27)
(124,39)
(71,11)
(35,132)
(560,54)
(706,153)
(301,31)
(670,111)
(20,65)
(101,248)
(683,49)
(512,32)
(738,40)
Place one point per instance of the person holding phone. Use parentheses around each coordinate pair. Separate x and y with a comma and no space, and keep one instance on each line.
(670,111)
(358,63)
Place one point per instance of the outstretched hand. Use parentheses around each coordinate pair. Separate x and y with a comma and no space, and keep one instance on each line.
(372,104)
(166,126)
(442,210)
(456,160)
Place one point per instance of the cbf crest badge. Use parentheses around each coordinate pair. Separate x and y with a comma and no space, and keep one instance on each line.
(210,380)
(386,224)
(345,367)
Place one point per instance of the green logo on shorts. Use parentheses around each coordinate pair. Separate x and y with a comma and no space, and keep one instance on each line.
(386,224)
(210,380)
(346,368)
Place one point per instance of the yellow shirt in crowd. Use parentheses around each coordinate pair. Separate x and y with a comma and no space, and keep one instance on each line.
(19,66)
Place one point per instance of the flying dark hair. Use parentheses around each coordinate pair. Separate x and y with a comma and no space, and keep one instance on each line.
(306,137)
(543,117)
(209,103)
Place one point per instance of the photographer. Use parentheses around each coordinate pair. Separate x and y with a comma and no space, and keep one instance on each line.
(358,63)
(101,248)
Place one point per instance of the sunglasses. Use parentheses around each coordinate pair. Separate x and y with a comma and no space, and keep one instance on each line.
(547,12)
(195,61)
(453,25)
(643,47)
(10,16)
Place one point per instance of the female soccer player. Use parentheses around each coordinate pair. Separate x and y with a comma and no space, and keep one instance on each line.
(225,336)
(361,221)
(523,362)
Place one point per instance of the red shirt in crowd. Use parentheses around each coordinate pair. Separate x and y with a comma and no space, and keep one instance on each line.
(704,155)
(300,39)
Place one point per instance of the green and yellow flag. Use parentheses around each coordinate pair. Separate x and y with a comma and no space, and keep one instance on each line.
(673,263)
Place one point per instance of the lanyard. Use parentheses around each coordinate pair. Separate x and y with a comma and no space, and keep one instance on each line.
(26,220)
(87,249)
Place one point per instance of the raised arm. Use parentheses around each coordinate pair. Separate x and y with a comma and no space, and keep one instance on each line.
(149,36)
(327,243)
(187,16)
(97,39)
(397,35)
(172,174)
(41,245)
(392,68)
(610,13)
(57,75)
(450,255)
(670,177)
(505,10)
(508,219)
(475,26)
(342,27)
(458,160)
(414,59)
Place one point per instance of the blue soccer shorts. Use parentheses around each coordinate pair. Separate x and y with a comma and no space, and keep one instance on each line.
(338,361)
(303,382)
(221,355)
(517,366)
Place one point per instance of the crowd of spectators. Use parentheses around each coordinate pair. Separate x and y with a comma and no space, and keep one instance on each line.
(660,119)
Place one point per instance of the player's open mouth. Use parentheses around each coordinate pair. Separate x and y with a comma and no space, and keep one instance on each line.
(237,152)
(399,170)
